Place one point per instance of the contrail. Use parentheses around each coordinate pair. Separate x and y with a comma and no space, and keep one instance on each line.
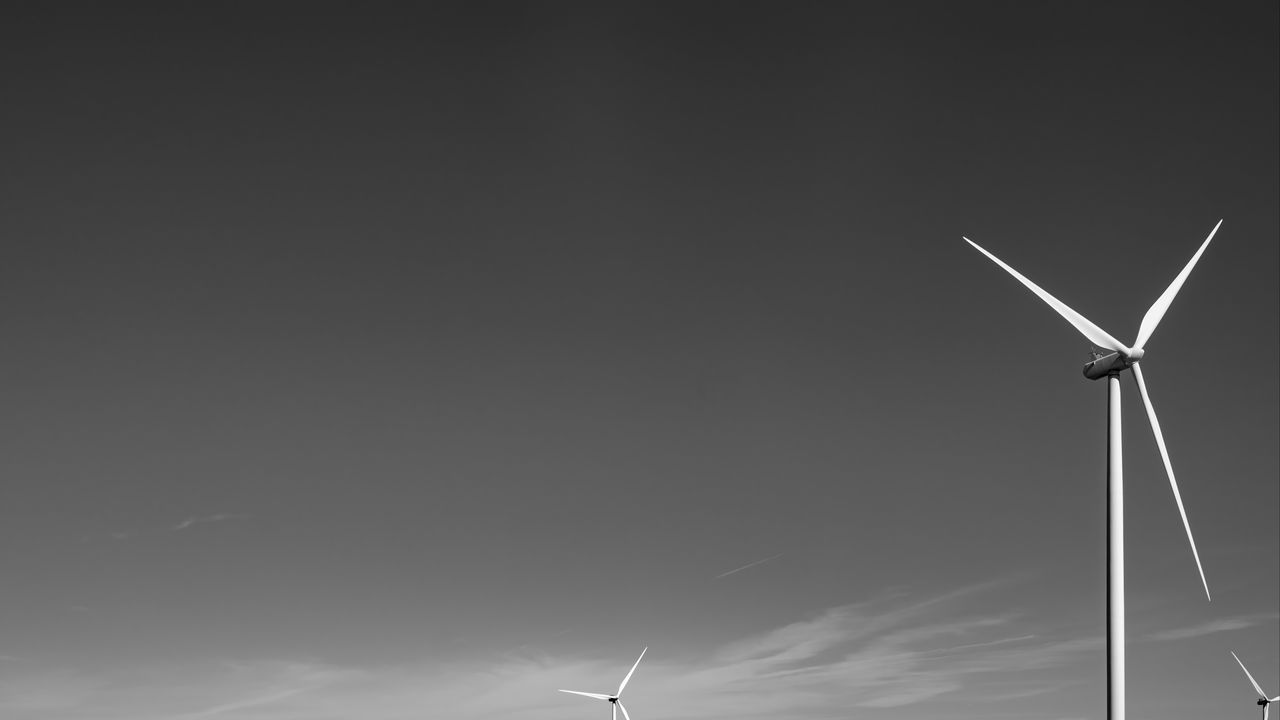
(978,645)
(748,565)
(212,518)
(252,702)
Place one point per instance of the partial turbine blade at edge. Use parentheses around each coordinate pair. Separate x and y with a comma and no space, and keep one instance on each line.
(1248,675)
(1157,310)
(615,711)
(1095,334)
(598,696)
(633,669)
(624,710)
(1168,467)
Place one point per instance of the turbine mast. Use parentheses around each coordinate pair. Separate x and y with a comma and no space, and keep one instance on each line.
(1115,553)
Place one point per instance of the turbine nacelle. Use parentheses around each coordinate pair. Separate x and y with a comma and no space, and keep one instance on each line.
(1106,366)
(1115,362)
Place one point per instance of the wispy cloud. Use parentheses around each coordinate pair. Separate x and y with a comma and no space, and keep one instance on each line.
(931,653)
(859,655)
(283,682)
(747,566)
(29,692)
(1239,622)
(183,525)
(207,519)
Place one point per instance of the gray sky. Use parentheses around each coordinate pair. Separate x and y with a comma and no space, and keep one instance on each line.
(415,363)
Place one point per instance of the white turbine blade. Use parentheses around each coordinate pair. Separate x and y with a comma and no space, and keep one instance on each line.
(1168,467)
(624,710)
(1095,334)
(633,669)
(1246,674)
(1266,711)
(1275,699)
(615,711)
(598,696)
(1153,316)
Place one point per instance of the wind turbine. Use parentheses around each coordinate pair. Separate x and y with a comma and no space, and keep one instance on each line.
(1263,700)
(614,699)
(1110,366)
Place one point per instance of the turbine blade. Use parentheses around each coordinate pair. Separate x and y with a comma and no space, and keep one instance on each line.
(598,696)
(1266,711)
(633,669)
(615,711)
(1095,334)
(1246,674)
(1154,315)
(624,711)
(1168,467)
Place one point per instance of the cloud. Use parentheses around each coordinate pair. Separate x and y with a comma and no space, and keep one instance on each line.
(284,682)
(1239,622)
(882,654)
(209,519)
(747,566)
(186,523)
(31,693)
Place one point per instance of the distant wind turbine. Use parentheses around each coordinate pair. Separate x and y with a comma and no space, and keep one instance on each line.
(1110,366)
(1263,700)
(614,699)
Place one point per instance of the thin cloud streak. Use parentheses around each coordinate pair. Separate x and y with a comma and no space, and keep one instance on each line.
(1241,622)
(990,643)
(210,519)
(747,566)
(293,680)
(186,523)
(247,704)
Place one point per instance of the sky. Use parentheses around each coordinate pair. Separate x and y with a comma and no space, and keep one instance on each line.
(419,360)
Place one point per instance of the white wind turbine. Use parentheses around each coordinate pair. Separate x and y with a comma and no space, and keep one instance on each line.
(614,699)
(1263,700)
(1110,366)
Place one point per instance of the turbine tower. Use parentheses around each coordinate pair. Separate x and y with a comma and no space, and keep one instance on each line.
(614,699)
(1263,700)
(1110,366)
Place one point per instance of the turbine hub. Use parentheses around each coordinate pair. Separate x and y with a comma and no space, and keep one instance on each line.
(1136,354)
(1263,702)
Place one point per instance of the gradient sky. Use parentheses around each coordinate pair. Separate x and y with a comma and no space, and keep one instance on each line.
(415,362)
